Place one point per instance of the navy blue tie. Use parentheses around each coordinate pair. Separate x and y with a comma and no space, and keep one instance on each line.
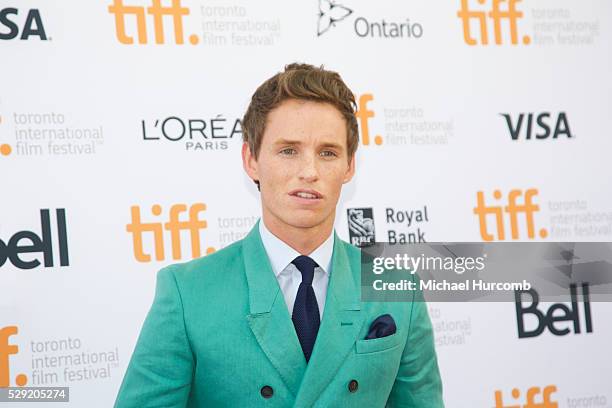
(305,316)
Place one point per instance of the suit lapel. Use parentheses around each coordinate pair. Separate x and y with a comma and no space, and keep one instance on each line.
(269,318)
(342,321)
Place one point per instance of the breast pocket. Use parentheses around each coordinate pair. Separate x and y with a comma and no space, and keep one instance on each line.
(380,344)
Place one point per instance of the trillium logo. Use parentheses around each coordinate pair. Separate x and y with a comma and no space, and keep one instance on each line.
(330,12)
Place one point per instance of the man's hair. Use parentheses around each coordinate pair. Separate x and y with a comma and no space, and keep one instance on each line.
(302,82)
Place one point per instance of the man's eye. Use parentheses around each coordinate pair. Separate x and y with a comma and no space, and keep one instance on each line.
(288,151)
(328,153)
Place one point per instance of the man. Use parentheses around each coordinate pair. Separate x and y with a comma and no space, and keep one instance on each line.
(276,319)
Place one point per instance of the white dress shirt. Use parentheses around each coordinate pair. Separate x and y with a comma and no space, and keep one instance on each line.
(289,276)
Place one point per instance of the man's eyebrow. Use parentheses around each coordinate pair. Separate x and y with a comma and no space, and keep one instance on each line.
(333,145)
(299,142)
(288,142)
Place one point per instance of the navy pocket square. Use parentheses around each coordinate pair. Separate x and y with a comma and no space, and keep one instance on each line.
(382,326)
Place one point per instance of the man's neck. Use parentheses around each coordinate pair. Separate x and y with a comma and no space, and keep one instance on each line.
(303,240)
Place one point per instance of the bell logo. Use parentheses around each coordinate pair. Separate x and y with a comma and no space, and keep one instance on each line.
(495,15)
(541,121)
(557,313)
(157,11)
(6,350)
(193,225)
(513,209)
(363,114)
(18,244)
(533,393)
(32,26)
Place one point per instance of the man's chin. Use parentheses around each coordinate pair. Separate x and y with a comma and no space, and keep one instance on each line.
(305,219)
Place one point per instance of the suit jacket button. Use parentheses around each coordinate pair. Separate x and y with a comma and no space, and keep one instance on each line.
(266,391)
(353,385)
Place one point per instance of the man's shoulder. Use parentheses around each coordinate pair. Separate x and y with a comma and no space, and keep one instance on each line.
(353,255)
(351,250)
(222,261)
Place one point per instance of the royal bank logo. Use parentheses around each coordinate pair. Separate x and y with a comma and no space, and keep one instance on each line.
(560,319)
(406,226)
(182,221)
(157,15)
(332,12)
(7,349)
(12,27)
(535,397)
(15,248)
(537,126)
(501,16)
(518,211)
(361,226)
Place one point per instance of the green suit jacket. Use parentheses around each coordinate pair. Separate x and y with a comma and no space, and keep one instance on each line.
(219,330)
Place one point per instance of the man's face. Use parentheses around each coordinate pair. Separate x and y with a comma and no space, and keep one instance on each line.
(302,164)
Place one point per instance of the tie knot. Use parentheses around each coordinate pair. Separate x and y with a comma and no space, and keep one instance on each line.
(306,266)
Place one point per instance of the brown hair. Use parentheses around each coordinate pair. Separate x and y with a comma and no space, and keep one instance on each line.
(305,82)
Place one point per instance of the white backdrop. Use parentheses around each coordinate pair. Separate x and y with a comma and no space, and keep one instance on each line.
(82,122)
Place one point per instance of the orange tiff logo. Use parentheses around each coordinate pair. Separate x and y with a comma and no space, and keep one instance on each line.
(513,209)
(496,15)
(363,115)
(533,393)
(6,350)
(175,11)
(174,226)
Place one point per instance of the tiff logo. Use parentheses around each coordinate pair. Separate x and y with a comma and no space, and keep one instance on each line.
(174,226)
(363,115)
(495,16)
(513,209)
(175,11)
(6,350)
(533,394)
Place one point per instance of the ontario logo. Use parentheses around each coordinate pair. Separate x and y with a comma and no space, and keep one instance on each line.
(6,351)
(332,13)
(141,25)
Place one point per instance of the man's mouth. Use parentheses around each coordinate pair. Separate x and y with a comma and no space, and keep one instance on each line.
(307,194)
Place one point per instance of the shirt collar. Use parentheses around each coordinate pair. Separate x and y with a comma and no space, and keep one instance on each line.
(281,254)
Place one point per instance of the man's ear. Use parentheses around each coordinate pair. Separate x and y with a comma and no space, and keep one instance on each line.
(249,162)
(350,171)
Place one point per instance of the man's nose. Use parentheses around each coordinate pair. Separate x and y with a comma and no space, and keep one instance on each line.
(309,170)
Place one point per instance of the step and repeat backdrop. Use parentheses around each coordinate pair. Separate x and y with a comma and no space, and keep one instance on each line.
(482,120)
